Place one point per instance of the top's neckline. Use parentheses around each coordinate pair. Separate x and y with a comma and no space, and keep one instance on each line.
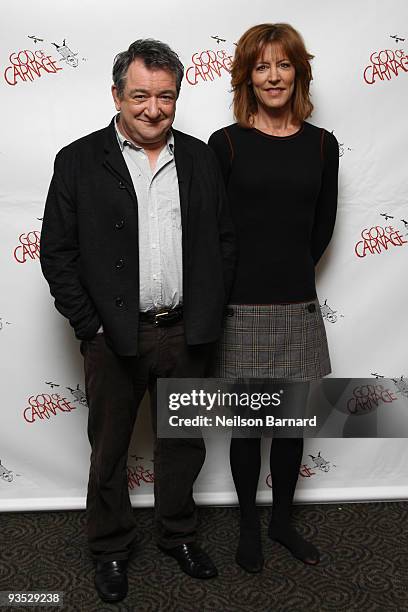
(300,130)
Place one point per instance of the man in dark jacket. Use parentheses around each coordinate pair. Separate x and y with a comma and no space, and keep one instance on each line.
(138,250)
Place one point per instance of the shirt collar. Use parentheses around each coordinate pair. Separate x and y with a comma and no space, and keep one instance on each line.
(124,142)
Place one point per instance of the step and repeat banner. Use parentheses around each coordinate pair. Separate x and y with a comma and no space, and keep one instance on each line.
(55,75)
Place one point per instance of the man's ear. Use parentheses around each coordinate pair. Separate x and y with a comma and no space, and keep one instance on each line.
(115,97)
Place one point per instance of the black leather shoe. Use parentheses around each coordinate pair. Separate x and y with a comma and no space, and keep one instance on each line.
(192,560)
(111,580)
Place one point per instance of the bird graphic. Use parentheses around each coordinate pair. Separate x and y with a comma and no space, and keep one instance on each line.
(51,384)
(36,39)
(218,39)
(397,38)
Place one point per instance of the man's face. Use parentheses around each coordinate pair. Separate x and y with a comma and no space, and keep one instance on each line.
(147,104)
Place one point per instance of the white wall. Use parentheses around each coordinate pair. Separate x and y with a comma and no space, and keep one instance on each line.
(49,458)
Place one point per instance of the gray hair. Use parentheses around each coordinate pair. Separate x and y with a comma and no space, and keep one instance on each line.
(154,53)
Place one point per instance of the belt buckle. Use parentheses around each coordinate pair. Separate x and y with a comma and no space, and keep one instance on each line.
(158,315)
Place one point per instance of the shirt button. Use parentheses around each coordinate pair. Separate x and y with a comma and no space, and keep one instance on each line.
(119,224)
(153,246)
(119,302)
(154,276)
(119,264)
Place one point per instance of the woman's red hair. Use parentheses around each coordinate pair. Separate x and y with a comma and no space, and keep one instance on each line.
(249,47)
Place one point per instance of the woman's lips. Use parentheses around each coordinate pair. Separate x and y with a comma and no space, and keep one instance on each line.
(274,91)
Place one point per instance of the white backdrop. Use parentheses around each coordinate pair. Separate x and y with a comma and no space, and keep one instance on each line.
(53,92)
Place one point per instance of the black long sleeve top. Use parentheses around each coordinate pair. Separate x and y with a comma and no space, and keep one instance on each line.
(283,198)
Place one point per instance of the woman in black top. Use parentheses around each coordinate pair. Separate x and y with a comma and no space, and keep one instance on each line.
(281,178)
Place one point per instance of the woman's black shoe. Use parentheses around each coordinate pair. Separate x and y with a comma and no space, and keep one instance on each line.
(292,540)
(249,553)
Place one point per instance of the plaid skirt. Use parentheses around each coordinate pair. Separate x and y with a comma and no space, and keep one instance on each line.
(273,341)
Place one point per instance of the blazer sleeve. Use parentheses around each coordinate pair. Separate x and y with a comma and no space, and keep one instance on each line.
(60,257)
(221,145)
(326,206)
(225,229)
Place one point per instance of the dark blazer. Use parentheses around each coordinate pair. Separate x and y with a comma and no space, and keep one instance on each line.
(89,242)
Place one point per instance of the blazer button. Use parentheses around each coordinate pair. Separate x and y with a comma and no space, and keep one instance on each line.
(119,302)
(119,224)
(311,307)
(119,264)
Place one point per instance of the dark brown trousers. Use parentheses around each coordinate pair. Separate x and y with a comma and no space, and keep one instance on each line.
(115,387)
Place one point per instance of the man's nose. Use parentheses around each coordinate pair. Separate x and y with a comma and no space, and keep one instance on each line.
(152,108)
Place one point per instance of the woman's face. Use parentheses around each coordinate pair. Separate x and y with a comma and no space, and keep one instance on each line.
(273,78)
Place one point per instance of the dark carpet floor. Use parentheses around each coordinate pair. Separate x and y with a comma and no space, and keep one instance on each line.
(364,563)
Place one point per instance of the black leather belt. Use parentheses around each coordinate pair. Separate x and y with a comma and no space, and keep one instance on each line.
(163,317)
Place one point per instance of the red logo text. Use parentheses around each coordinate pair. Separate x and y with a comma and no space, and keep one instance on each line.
(378,239)
(208,65)
(367,397)
(44,406)
(305,471)
(385,64)
(137,474)
(28,65)
(28,247)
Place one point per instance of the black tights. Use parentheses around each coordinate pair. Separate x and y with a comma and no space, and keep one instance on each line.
(285,459)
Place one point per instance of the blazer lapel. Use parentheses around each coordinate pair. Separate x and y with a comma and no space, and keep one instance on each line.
(114,160)
(116,164)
